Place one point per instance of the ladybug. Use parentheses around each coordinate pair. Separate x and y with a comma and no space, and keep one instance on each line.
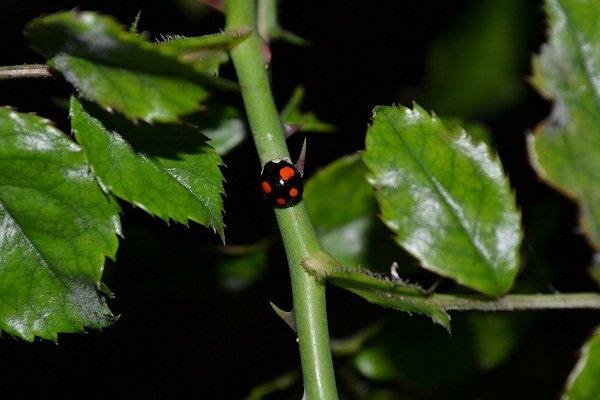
(281,183)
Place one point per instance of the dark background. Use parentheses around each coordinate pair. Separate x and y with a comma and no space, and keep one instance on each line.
(179,336)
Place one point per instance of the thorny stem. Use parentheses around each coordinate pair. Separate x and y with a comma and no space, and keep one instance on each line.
(297,232)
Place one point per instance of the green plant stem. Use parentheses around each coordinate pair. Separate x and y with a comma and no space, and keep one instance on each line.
(297,232)
(25,71)
(517,302)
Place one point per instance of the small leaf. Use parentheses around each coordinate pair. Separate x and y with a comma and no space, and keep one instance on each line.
(565,149)
(445,198)
(56,228)
(208,52)
(583,383)
(168,170)
(306,121)
(137,95)
(268,24)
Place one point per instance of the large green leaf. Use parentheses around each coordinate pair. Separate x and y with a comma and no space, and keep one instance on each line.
(118,69)
(583,383)
(565,149)
(445,197)
(166,169)
(56,228)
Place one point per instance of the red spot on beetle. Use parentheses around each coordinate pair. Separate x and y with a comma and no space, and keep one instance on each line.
(266,187)
(286,173)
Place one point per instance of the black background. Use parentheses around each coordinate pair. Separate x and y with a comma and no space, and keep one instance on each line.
(179,336)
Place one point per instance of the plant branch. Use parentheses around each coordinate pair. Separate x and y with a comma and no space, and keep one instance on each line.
(25,71)
(297,232)
(517,302)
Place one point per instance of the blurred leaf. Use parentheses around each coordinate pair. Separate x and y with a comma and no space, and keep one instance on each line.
(56,228)
(494,336)
(87,42)
(347,223)
(476,67)
(565,149)
(240,266)
(445,197)
(306,121)
(283,386)
(583,383)
(352,344)
(408,352)
(138,95)
(595,269)
(223,125)
(268,24)
(167,170)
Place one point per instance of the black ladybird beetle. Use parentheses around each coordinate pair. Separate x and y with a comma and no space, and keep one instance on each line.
(281,183)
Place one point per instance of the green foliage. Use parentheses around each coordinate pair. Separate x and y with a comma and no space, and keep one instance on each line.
(445,197)
(305,121)
(347,222)
(167,170)
(56,226)
(136,94)
(120,70)
(147,133)
(208,52)
(566,146)
(412,354)
(583,384)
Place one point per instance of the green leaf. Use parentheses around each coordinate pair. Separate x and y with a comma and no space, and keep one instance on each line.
(410,353)
(583,383)
(121,61)
(166,169)
(565,149)
(347,223)
(306,121)
(223,125)
(137,95)
(56,228)
(445,198)
(239,267)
